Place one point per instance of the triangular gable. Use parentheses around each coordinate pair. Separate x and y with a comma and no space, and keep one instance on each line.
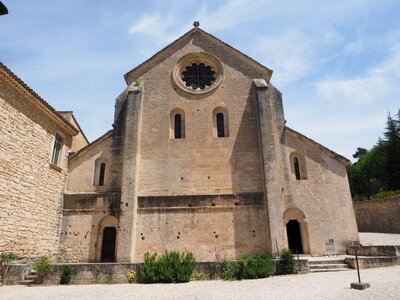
(90,146)
(165,52)
(318,145)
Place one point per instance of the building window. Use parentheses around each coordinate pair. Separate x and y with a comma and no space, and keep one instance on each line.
(297,168)
(220,125)
(298,165)
(99,173)
(198,76)
(220,122)
(102,173)
(178,126)
(56,150)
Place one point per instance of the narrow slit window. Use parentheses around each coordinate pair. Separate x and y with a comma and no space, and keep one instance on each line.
(297,168)
(220,125)
(56,149)
(178,126)
(102,173)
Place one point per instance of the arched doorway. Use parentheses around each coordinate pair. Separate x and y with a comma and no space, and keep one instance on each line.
(108,244)
(294,236)
(296,230)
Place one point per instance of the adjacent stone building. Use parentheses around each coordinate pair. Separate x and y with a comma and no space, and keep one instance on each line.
(34,144)
(199,159)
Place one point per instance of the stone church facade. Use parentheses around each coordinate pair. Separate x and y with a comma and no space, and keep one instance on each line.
(199,159)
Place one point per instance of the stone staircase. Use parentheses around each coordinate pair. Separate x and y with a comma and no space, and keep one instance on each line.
(328,265)
(29,279)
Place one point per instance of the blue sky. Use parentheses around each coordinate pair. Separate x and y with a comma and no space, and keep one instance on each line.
(337,63)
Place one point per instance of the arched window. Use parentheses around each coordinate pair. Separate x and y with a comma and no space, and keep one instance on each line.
(298,165)
(220,125)
(220,122)
(99,173)
(297,168)
(102,173)
(177,124)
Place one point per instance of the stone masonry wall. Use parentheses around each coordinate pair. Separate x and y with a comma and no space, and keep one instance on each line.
(324,197)
(378,215)
(30,188)
(81,169)
(200,163)
(208,232)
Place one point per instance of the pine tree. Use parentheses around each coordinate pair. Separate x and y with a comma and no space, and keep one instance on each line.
(392,152)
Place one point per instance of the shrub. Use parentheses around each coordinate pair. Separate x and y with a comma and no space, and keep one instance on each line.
(248,267)
(257,266)
(7,257)
(131,276)
(42,266)
(107,280)
(65,277)
(148,269)
(171,267)
(228,269)
(199,276)
(385,194)
(287,262)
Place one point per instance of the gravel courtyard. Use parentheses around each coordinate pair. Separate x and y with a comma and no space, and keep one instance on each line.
(385,284)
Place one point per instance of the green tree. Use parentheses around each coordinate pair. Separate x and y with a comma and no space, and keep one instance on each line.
(392,152)
(378,169)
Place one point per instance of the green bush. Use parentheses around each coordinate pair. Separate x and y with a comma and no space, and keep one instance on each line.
(42,266)
(228,269)
(107,280)
(385,194)
(171,267)
(257,266)
(65,276)
(248,267)
(7,257)
(287,262)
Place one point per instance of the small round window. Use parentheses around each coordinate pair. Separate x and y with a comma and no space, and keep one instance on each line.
(198,72)
(198,76)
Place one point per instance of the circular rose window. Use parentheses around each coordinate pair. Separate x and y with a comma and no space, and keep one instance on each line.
(198,73)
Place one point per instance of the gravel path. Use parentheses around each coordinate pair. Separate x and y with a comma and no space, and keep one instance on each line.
(334,285)
(372,238)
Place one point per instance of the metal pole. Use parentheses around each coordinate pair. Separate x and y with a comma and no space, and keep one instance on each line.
(358,269)
(277,249)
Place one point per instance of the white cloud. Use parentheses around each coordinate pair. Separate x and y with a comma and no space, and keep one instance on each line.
(379,81)
(159,28)
(291,55)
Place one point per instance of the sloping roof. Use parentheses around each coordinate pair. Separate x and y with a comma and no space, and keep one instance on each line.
(318,145)
(146,65)
(65,114)
(39,101)
(95,142)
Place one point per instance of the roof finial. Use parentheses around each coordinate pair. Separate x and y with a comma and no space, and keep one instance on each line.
(196,24)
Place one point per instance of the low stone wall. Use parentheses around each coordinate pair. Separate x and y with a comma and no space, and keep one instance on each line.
(378,215)
(95,273)
(373,261)
(375,251)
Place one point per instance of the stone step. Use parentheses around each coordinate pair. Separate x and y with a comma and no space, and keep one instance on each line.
(326,262)
(329,266)
(330,270)
(33,272)
(26,282)
(30,277)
